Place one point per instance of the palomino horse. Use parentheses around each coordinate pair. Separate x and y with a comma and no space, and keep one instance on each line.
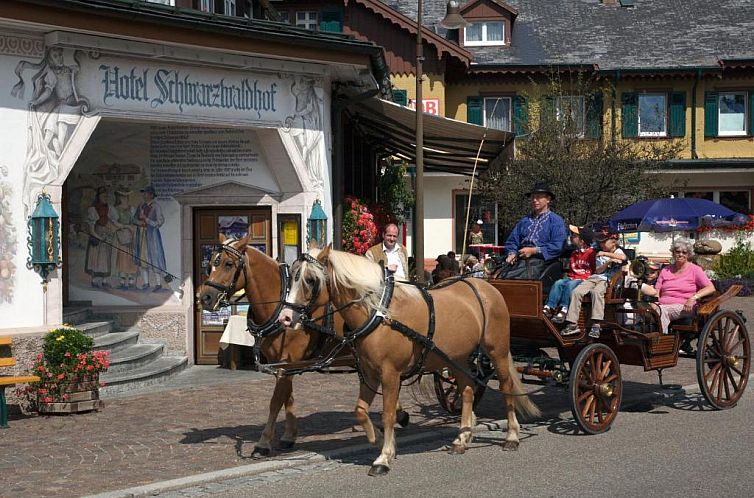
(469,313)
(239,266)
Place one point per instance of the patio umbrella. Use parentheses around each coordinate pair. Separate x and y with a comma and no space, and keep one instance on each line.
(668,215)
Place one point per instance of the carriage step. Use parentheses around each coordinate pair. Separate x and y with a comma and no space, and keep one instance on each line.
(155,372)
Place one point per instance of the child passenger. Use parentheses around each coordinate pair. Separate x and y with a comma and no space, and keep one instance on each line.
(610,258)
(580,267)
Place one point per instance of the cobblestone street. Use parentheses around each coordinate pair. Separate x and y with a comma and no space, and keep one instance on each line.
(190,430)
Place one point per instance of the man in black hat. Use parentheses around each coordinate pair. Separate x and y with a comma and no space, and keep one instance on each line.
(537,239)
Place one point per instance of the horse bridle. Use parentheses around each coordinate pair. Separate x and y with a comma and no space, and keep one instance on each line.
(305,310)
(227,290)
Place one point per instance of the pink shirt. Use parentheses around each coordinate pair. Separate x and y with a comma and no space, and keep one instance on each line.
(677,288)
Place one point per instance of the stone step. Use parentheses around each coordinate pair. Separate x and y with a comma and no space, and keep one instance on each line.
(95,329)
(134,356)
(155,372)
(76,315)
(115,341)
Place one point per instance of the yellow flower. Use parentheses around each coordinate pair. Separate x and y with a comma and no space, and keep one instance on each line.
(60,338)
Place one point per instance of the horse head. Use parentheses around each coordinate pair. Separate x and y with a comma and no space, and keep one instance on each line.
(226,273)
(309,289)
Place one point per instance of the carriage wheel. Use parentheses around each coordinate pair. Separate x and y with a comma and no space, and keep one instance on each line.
(595,388)
(723,359)
(446,387)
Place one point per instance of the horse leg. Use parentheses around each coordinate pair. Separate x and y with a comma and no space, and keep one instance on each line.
(283,388)
(504,368)
(291,423)
(391,386)
(361,412)
(468,420)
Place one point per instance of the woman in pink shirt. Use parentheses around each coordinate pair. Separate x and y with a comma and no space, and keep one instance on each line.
(680,285)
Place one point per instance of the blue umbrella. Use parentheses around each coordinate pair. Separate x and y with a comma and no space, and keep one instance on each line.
(669,215)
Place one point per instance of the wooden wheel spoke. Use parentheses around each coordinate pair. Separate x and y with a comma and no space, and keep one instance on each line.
(610,379)
(734,347)
(735,332)
(719,378)
(712,371)
(735,369)
(583,397)
(601,412)
(597,366)
(724,382)
(715,377)
(605,369)
(592,411)
(733,383)
(587,405)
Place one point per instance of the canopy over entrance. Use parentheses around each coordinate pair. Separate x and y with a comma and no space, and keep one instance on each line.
(449,145)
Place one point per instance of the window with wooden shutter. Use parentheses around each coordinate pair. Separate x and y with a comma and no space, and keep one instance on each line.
(710,114)
(331,19)
(400,97)
(520,115)
(474,110)
(629,115)
(594,116)
(677,126)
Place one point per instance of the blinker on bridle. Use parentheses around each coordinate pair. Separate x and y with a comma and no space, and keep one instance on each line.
(306,309)
(226,290)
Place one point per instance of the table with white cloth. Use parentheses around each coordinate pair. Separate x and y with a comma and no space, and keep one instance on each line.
(234,335)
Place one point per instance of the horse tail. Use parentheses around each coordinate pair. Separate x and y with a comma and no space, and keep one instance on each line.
(524,405)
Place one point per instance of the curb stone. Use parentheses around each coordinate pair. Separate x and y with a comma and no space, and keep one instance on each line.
(309,459)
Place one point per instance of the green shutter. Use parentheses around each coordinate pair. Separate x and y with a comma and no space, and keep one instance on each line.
(710,114)
(629,115)
(331,19)
(400,97)
(547,110)
(474,110)
(677,114)
(594,116)
(331,26)
(520,115)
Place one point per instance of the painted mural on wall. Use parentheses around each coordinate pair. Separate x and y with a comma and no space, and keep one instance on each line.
(54,110)
(305,126)
(8,239)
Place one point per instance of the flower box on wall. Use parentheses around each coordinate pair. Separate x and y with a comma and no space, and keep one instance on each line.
(76,394)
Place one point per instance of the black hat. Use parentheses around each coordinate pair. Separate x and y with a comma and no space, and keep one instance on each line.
(149,189)
(586,234)
(541,187)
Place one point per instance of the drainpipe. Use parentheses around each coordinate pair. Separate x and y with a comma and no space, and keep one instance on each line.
(612,105)
(693,114)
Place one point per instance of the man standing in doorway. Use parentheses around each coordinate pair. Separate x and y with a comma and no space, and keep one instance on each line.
(390,253)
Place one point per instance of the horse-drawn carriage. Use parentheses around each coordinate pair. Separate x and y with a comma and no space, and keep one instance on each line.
(630,336)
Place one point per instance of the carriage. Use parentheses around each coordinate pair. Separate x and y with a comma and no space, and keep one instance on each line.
(630,336)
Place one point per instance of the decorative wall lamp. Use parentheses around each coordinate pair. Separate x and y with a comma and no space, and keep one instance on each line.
(316,225)
(43,238)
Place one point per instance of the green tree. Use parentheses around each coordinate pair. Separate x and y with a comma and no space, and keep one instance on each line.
(592,175)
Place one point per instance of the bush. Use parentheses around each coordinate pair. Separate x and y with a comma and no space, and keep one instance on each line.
(738,262)
(746,290)
(64,340)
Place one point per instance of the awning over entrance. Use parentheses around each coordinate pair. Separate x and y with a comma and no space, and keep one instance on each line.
(449,145)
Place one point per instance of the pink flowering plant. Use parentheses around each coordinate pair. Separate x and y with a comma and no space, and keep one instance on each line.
(67,359)
(359,229)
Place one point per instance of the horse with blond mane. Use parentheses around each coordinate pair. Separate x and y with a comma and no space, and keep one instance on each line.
(238,266)
(466,313)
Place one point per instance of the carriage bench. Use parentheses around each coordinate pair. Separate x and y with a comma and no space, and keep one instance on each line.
(7,360)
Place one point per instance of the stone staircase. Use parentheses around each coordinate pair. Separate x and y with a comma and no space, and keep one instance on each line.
(134,365)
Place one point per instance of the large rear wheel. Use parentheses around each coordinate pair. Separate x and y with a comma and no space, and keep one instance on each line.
(723,359)
(446,387)
(596,388)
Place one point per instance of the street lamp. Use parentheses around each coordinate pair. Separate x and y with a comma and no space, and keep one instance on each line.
(452,20)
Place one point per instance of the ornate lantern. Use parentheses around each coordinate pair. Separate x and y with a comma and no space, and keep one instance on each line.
(316,225)
(43,238)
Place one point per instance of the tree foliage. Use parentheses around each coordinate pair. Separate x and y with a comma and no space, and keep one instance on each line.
(592,178)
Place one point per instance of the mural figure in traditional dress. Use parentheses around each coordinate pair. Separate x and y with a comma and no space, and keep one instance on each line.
(8,241)
(101,218)
(306,127)
(55,108)
(125,267)
(148,248)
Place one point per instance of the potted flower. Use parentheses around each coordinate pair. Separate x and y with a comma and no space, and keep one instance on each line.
(69,372)
(359,230)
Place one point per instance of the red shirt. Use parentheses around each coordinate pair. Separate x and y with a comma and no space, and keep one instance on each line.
(582,264)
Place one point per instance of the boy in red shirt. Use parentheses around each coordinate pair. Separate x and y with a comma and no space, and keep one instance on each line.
(580,267)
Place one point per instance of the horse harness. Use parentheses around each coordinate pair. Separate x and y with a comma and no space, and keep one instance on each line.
(376,318)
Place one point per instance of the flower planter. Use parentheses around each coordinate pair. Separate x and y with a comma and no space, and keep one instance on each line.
(74,395)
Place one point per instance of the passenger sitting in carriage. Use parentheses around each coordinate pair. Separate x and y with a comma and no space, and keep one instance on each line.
(609,261)
(580,267)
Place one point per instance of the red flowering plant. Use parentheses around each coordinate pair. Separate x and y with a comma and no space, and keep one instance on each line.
(66,364)
(359,230)
(745,224)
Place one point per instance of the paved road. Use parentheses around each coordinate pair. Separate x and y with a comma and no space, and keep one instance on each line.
(680,448)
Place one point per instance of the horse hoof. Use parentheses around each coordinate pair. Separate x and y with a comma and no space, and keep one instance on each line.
(457,449)
(510,446)
(379,470)
(402,418)
(286,445)
(260,452)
